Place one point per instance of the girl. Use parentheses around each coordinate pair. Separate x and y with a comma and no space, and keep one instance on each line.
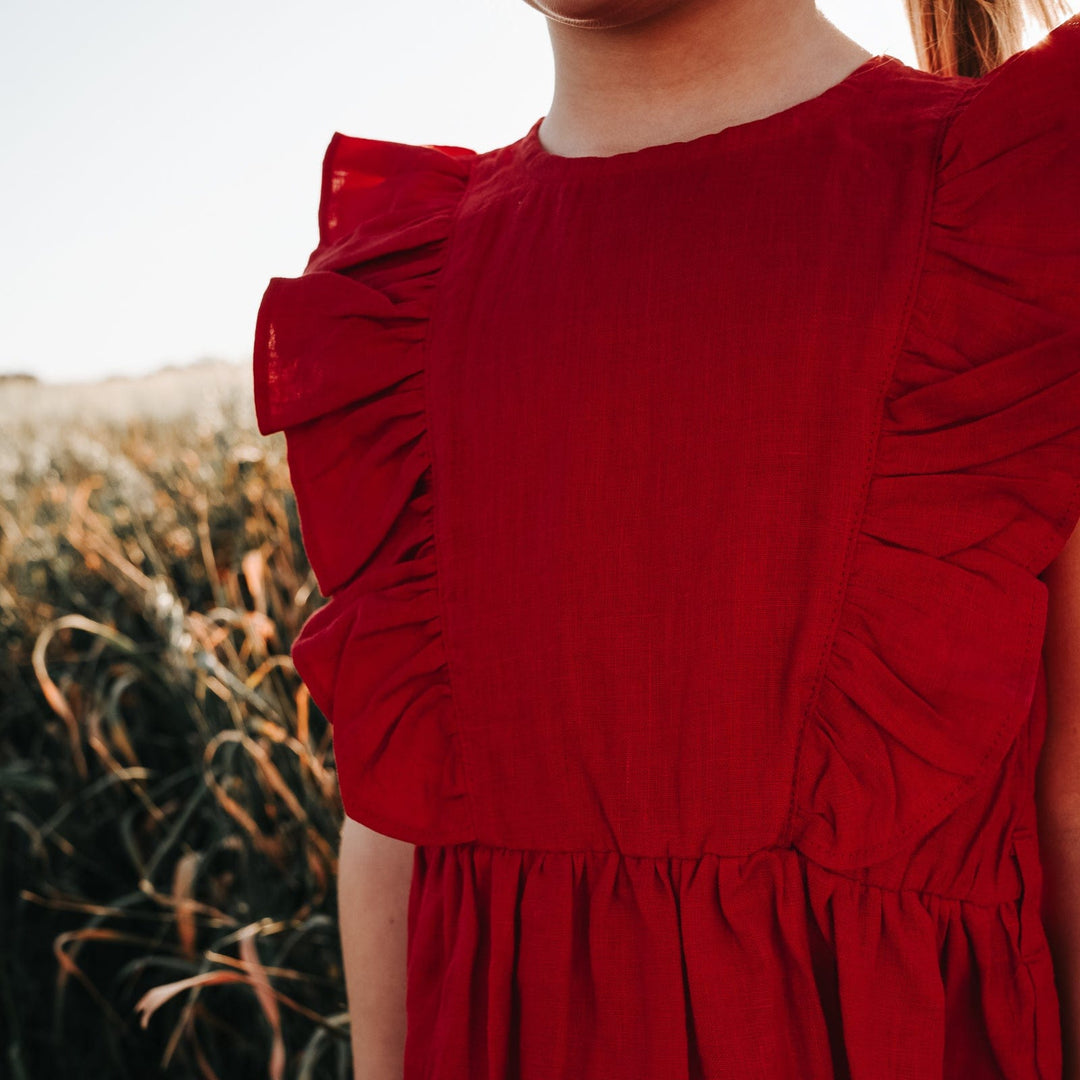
(692,482)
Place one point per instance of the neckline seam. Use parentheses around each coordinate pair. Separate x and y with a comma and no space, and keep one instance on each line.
(534,158)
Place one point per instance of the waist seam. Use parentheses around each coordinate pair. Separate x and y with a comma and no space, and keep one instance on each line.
(971,902)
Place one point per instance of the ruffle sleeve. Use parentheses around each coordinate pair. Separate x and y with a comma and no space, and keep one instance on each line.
(338,366)
(975,487)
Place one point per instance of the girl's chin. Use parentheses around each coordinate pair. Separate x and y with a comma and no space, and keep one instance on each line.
(600,14)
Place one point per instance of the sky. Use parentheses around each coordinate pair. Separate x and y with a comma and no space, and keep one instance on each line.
(161,162)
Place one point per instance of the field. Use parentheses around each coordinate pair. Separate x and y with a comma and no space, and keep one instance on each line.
(169,806)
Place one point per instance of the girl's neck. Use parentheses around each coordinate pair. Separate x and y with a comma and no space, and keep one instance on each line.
(696,67)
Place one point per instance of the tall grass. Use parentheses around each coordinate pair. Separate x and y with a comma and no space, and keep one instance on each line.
(169,807)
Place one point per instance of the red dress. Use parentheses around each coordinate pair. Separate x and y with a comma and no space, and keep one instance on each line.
(681,515)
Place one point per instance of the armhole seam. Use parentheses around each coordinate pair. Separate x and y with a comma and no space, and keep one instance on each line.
(809,716)
(434,311)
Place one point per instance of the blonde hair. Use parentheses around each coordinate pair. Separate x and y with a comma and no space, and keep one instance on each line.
(971,37)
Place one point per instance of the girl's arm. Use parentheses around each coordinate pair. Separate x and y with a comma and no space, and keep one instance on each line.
(1058,791)
(374,876)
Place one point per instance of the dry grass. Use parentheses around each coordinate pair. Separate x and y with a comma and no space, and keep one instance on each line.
(169,807)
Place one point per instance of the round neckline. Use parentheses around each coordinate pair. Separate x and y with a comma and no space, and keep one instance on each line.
(534,156)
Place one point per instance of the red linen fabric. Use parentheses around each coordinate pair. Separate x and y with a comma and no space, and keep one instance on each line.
(681,516)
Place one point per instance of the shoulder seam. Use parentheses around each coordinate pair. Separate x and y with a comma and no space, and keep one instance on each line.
(958,108)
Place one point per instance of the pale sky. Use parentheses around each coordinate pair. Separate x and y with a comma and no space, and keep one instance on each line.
(162,161)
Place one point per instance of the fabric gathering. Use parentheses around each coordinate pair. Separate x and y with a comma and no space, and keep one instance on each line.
(680,516)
